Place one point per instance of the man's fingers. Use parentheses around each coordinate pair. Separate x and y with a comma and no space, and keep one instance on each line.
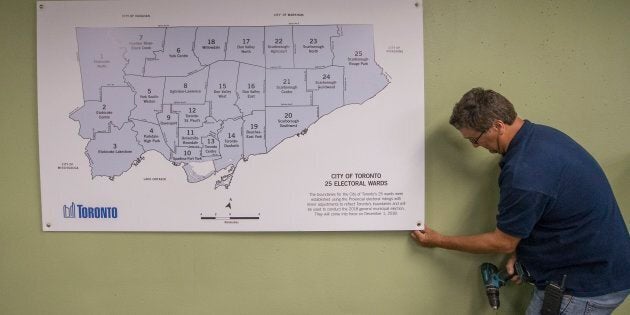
(510,270)
(421,237)
(416,235)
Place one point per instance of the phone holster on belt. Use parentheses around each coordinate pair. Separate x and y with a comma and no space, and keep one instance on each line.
(553,298)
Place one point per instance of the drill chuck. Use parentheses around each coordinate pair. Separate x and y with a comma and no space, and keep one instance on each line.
(493,297)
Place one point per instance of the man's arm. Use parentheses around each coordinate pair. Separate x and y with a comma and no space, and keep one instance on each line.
(491,242)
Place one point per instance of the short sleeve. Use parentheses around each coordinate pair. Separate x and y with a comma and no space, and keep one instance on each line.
(520,210)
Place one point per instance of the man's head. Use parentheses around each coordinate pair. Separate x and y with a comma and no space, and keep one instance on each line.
(479,108)
(486,119)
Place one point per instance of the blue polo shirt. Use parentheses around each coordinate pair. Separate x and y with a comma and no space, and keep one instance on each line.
(556,198)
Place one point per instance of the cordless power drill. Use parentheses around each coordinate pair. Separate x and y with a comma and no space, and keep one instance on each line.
(493,279)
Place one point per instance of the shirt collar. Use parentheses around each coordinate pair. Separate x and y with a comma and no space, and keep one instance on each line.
(518,139)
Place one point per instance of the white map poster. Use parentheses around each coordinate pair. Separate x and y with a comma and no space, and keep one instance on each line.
(230,115)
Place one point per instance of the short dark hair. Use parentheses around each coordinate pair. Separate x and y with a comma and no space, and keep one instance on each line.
(479,108)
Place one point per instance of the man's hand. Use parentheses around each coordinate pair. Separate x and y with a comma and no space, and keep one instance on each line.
(509,266)
(426,237)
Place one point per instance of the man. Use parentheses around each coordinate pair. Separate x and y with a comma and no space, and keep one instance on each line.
(557,213)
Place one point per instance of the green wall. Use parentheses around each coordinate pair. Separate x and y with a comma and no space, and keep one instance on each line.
(562,63)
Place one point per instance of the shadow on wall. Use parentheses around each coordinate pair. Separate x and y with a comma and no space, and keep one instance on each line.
(468,177)
(618,174)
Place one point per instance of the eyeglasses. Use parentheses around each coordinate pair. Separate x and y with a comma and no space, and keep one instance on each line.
(476,140)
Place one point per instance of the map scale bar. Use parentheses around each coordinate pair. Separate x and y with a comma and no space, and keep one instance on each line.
(230,218)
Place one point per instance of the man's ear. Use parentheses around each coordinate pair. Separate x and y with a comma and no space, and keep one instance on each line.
(500,126)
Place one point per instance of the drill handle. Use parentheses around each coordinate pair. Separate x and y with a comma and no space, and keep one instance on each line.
(505,276)
(518,272)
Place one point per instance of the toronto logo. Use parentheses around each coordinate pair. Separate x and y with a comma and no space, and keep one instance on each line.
(89,212)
